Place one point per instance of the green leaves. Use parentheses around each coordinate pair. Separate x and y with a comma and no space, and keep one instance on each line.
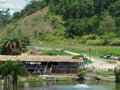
(14,69)
(14,44)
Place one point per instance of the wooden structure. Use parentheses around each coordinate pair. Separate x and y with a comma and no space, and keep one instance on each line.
(38,65)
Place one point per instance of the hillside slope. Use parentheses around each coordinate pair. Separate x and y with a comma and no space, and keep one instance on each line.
(29,25)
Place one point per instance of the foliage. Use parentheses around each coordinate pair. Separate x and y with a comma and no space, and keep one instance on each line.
(114,8)
(5,17)
(14,44)
(18,69)
(80,27)
(81,73)
(89,37)
(108,36)
(117,74)
(14,69)
(107,25)
(97,42)
(72,8)
(65,19)
(115,42)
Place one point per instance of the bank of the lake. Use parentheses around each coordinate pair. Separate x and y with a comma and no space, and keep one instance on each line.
(91,77)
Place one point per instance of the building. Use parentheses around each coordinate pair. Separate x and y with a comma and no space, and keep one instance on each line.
(38,65)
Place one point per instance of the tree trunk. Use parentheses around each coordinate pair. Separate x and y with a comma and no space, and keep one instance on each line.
(14,82)
(5,83)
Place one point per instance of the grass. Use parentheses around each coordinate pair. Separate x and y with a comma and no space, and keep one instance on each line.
(95,51)
(111,62)
(34,78)
(105,73)
(64,79)
(53,52)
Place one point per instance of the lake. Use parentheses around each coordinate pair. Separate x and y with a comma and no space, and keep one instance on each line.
(66,86)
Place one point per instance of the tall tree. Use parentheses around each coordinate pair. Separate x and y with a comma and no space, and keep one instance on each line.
(18,69)
(14,69)
(5,70)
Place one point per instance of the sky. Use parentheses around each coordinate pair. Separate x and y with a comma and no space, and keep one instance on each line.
(13,5)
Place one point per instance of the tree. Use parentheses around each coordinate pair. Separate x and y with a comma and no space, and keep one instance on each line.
(114,9)
(107,25)
(81,73)
(5,70)
(117,74)
(72,8)
(14,69)
(14,45)
(16,15)
(80,27)
(18,69)
(102,5)
(5,17)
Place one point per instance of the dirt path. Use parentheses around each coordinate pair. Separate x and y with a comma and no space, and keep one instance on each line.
(97,64)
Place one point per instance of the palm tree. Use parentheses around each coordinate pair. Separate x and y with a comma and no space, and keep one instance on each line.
(18,69)
(5,70)
(14,69)
(14,44)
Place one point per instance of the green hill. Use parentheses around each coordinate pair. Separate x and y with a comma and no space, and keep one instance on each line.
(90,22)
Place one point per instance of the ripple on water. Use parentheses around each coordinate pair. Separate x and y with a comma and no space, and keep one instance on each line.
(65,87)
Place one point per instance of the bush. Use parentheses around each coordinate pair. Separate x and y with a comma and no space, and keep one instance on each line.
(115,42)
(95,42)
(81,73)
(89,37)
(108,36)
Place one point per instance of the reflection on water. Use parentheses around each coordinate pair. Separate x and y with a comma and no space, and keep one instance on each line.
(65,86)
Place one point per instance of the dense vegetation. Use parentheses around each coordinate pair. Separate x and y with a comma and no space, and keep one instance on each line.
(13,44)
(92,22)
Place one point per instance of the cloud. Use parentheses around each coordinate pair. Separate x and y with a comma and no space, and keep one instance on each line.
(12,6)
(3,1)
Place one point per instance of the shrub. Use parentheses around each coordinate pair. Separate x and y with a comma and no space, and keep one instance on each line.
(95,42)
(115,42)
(81,73)
(108,36)
(89,37)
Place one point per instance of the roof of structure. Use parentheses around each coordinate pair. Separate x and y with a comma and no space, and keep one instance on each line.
(38,58)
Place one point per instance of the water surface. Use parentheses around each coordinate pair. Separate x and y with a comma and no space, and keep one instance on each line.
(65,86)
